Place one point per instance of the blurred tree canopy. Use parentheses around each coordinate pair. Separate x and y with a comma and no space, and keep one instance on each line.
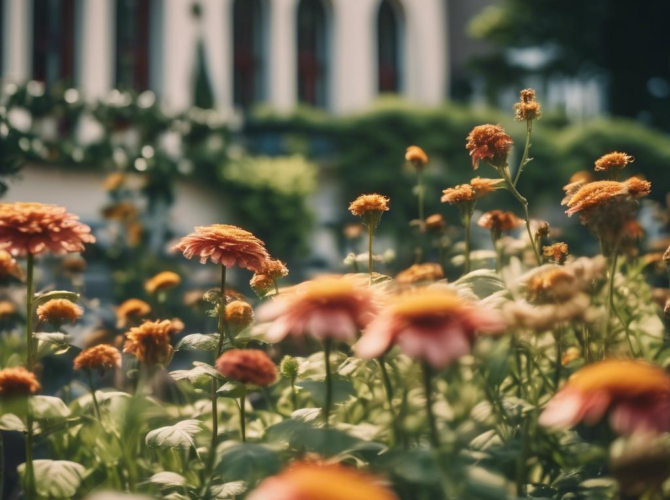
(627,41)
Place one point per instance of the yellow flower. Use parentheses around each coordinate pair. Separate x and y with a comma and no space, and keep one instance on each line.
(416,156)
(58,311)
(611,161)
(369,203)
(162,281)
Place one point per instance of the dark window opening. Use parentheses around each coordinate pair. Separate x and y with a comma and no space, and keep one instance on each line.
(312,53)
(248,54)
(133,18)
(53,41)
(388,47)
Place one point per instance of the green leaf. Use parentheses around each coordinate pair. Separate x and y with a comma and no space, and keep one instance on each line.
(167,479)
(302,436)
(306,414)
(480,283)
(56,478)
(199,342)
(228,490)
(342,390)
(247,462)
(52,343)
(11,422)
(200,375)
(41,298)
(180,435)
(48,408)
(231,389)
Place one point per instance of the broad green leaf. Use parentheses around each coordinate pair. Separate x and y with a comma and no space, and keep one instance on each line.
(48,407)
(200,375)
(231,390)
(247,462)
(180,435)
(306,414)
(166,479)
(41,298)
(228,490)
(56,478)
(342,390)
(52,343)
(302,436)
(480,283)
(199,342)
(11,422)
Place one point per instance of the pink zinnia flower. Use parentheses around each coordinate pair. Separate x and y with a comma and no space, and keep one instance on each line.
(332,307)
(434,325)
(226,245)
(34,228)
(636,394)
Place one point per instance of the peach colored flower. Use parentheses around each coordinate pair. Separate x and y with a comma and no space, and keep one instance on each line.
(261,284)
(435,222)
(59,311)
(352,231)
(636,394)
(528,109)
(226,245)
(431,324)
(150,342)
(312,481)
(369,203)
(499,221)
(239,315)
(275,269)
(7,309)
(17,382)
(36,228)
(556,253)
(489,143)
(162,281)
(418,273)
(601,193)
(9,266)
(463,193)
(114,181)
(484,186)
(330,307)
(99,357)
(416,156)
(611,161)
(121,211)
(131,310)
(249,366)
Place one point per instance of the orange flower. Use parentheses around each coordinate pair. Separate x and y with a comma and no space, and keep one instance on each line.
(328,307)
(59,311)
(636,394)
(226,245)
(131,310)
(275,269)
(435,222)
(528,109)
(114,181)
(416,156)
(352,231)
(9,266)
(601,193)
(17,382)
(36,228)
(432,324)
(463,193)
(311,481)
(612,161)
(556,253)
(239,315)
(150,342)
(162,281)
(484,186)
(498,221)
(6,309)
(420,273)
(122,211)
(99,357)
(369,203)
(249,366)
(489,143)
(261,284)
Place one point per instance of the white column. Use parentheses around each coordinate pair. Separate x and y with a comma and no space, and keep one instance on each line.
(353,56)
(282,82)
(17,47)
(96,48)
(218,37)
(426,57)
(179,55)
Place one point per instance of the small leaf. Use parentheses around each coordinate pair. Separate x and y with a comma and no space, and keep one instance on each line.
(228,490)
(199,342)
(11,422)
(48,408)
(481,283)
(342,390)
(180,435)
(231,390)
(167,479)
(52,343)
(56,478)
(41,298)
(200,375)
(306,414)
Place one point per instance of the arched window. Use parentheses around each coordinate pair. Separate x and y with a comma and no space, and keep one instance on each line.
(312,53)
(389,46)
(53,41)
(133,19)
(248,52)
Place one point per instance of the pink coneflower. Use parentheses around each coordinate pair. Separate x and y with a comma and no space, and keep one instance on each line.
(34,228)
(636,394)
(226,245)
(331,307)
(433,325)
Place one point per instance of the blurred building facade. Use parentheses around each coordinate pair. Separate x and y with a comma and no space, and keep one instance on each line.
(332,54)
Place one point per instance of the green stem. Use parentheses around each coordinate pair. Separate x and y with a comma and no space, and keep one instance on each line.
(294,395)
(223,324)
(524,203)
(388,388)
(610,295)
(419,187)
(466,223)
(30,470)
(329,382)
(498,252)
(243,418)
(559,355)
(521,474)
(428,389)
(215,428)
(30,264)
(370,237)
(526,149)
(89,375)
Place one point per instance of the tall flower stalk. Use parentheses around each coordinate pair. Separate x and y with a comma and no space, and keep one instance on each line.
(370,208)
(418,159)
(30,264)
(327,344)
